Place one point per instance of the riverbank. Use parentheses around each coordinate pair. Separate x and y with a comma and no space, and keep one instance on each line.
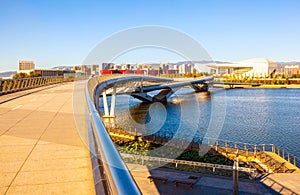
(246,86)
(280,86)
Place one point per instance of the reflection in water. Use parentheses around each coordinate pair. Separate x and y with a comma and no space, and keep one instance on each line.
(139,113)
(187,113)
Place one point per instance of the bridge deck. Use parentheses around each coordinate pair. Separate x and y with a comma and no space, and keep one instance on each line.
(41,151)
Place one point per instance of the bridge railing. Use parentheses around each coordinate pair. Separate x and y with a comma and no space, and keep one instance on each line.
(247,149)
(15,85)
(144,159)
(117,176)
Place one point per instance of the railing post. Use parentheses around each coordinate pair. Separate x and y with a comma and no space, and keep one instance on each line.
(246,150)
(289,158)
(283,154)
(295,164)
(226,147)
(263,147)
(1,85)
(278,153)
(217,143)
(200,140)
(19,83)
(273,148)
(255,151)
(235,145)
(15,84)
(235,176)
(4,86)
(9,86)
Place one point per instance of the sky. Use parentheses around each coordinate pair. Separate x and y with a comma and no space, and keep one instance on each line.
(64,32)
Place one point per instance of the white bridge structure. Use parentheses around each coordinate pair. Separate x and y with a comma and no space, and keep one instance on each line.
(139,87)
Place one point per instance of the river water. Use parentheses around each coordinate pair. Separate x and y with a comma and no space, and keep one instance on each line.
(254,116)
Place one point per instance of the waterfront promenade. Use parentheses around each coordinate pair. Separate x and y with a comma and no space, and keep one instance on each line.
(41,151)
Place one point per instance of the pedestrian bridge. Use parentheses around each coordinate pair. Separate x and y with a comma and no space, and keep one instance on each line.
(139,88)
(45,151)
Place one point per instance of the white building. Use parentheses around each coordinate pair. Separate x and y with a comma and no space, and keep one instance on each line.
(173,67)
(252,67)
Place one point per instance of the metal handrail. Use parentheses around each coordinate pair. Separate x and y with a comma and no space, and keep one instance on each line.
(119,179)
(185,162)
(19,84)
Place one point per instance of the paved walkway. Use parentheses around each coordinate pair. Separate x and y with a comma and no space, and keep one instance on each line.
(205,184)
(283,183)
(41,151)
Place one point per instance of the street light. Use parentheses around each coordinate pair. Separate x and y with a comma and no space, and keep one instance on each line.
(235,176)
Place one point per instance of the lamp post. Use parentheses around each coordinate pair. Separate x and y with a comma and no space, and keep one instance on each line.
(235,176)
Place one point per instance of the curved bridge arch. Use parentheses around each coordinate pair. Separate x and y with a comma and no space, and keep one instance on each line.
(126,85)
(134,86)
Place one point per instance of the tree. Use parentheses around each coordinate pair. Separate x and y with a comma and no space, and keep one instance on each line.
(20,75)
(34,74)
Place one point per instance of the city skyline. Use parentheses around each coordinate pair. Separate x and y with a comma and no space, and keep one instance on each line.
(63,33)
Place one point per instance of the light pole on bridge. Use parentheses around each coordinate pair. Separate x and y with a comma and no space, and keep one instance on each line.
(235,176)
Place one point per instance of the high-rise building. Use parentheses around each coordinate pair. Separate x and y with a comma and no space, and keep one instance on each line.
(184,68)
(95,69)
(26,65)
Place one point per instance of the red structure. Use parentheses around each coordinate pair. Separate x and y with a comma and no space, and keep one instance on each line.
(110,71)
(153,72)
(139,72)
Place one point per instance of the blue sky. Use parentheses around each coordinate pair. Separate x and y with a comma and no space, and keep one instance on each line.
(61,32)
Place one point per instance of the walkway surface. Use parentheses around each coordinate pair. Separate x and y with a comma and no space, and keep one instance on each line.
(41,151)
(283,183)
(205,183)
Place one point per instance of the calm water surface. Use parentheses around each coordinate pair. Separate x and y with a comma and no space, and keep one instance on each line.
(255,116)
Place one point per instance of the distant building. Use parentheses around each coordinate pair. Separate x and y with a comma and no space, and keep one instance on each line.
(49,72)
(252,67)
(85,70)
(75,68)
(26,65)
(171,72)
(126,67)
(106,66)
(291,69)
(172,67)
(184,68)
(117,66)
(94,69)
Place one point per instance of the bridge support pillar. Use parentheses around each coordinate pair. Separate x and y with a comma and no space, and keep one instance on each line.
(141,86)
(111,113)
(105,104)
(113,103)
